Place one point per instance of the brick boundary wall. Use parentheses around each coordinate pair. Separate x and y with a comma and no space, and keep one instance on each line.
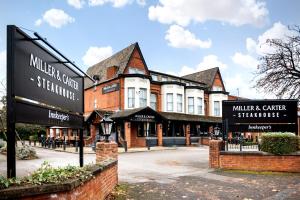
(204,141)
(253,161)
(96,188)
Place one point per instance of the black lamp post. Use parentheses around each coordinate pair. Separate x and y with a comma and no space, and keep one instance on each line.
(106,125)
(216,132)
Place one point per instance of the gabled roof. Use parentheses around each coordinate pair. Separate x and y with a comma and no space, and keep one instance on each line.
(206,76)
(119,59)
(88,118)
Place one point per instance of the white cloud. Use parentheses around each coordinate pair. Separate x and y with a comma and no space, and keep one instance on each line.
(115,3)
(251,45)
(259,46)
(96,54)
(55,18)
(76,3)
(178,37)
(235,12)
(209,61)
(277,31)
(38,22)
(2,64)
(242,85)
(245,60)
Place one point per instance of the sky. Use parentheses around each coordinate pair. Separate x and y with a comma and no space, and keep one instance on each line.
(175,36)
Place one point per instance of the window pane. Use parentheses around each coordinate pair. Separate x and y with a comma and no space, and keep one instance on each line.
(200,106)
(153,101)
(143,97)
(154,77)
(169,102)
(131,97)
(191,105)
(179,102)
(216,108)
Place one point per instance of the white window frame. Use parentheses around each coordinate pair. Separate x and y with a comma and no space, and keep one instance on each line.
(131,98)
(179,103)
(143,98)
(153,104)
(191,106)
(170,104)
(200,105)
(217,110)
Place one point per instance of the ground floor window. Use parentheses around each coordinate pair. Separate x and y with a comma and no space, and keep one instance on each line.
(146,129)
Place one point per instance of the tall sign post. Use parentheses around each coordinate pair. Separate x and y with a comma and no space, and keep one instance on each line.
(41,89)
(261,115)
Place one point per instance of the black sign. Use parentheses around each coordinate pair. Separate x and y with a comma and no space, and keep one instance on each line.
(143,118)
(34,114)
(110,88)
(261,115)
(40,76)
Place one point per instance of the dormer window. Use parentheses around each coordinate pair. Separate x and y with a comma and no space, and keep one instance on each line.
(154,77)
(132,70)
(164,79)
(217,88)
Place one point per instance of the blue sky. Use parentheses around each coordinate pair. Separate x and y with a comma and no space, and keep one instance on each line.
(175,36)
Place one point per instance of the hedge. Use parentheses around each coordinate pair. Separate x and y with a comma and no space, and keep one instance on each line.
(279,143)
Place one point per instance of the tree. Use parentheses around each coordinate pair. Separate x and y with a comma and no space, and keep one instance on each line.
(279,70)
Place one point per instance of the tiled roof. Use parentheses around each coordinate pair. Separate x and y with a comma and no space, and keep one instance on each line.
(206,76)
(119,59)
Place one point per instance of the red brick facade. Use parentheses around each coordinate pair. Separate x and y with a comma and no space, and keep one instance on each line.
(106,150)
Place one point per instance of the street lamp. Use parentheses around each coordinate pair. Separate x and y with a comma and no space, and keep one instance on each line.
(216,132)
(106,125)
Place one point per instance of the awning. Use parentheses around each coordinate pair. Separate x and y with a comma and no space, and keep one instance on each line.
(191,118)
(144,114)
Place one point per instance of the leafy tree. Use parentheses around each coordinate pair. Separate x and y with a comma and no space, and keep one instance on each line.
(279,70)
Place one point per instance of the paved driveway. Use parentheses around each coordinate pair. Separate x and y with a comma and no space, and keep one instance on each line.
(177,174)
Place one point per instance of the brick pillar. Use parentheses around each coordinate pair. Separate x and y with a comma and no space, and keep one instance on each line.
(93,131)
(127,128)
(187,135)
(106,151)
(159,134)
(215,147)
(47,132)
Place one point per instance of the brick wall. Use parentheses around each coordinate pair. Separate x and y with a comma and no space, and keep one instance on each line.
(106,150)
(253,161)
(156,89)
(187,135)
(108,101)
(159,134)
(204,141)
(136,62)
(260,162)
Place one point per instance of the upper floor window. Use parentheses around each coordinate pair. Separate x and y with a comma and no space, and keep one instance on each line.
(164,79)
(143,97)
(95,103)
(179,102)
(131,97)
(217,88)
(154,77)
(217,108)
(199,105)
(191,105)
(169,102)
(132,70)
(153,101)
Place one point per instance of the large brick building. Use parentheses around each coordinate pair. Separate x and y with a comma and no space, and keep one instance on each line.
(146,104)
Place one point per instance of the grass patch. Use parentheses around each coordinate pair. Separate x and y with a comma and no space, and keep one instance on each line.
(119,193)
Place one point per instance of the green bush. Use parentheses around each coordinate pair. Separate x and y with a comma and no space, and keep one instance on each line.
(25,153)
(279,143)
(47,174)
